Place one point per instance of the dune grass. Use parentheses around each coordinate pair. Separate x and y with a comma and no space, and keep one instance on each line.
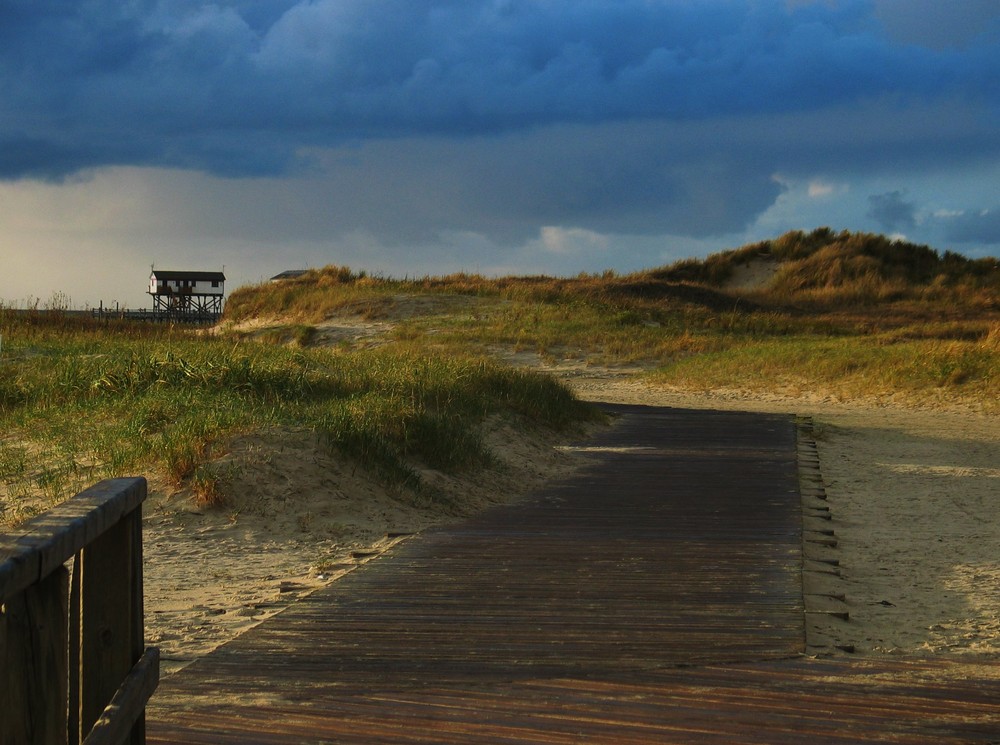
(849,367)
(849,315)
(853,314)
(81,403)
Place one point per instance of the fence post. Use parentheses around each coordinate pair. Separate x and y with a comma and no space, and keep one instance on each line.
(72,664)
(33,663)
(108,647)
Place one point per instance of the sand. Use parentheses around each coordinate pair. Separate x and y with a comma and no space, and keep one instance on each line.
(913,493)
(297,517)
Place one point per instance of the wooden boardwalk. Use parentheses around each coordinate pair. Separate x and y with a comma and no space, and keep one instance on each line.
(654,597)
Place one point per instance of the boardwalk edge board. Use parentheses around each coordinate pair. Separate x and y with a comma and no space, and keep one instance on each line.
(823,588)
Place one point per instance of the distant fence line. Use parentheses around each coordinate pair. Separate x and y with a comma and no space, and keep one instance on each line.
(125,314)
(157,316)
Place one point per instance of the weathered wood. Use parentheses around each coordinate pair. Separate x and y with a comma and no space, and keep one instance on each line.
(653,598)
(129,703)
(66,651)
(106,628)
(33,663)
(49,540)
(74,656)
(137,618)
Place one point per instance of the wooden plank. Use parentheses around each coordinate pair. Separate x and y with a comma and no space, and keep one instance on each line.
(106,645)
(74,655)
(137,622)
(49,540)
(655,598)
(33,663)
(117,723)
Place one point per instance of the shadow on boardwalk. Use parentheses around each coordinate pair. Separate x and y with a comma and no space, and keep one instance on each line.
(654,597)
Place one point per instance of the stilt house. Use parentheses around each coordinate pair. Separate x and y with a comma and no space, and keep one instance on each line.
(187,295)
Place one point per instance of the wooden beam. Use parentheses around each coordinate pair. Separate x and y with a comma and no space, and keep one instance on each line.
(129,703)
(64,652)
(106,625)
(49,540)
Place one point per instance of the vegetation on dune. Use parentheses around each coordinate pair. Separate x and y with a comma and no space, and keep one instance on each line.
(841,314)
(821,271)
(79,402)
(854,316)
(825,270)
(849,314)
(849,368)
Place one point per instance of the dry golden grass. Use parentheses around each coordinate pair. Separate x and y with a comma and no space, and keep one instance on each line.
(858,314)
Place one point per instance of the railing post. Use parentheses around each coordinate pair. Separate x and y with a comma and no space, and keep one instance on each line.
(33,663)
(110,617)
(72,665)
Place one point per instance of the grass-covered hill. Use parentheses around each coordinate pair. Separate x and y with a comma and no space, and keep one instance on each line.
(82,400)
(849,314)
(821,271)
(827,270)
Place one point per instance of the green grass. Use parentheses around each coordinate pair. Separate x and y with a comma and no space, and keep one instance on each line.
(77,405)
(850,315)
(849,367)
(587,330)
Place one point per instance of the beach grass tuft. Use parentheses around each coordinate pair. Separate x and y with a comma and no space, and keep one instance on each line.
(125,403)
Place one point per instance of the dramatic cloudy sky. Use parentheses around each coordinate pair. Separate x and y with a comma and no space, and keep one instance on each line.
(429,136)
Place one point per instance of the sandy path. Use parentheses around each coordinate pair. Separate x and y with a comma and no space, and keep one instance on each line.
(914,496)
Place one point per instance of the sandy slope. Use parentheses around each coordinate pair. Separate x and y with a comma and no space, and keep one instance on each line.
(297,517)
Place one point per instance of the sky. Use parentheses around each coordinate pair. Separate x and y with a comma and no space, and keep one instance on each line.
(415,137)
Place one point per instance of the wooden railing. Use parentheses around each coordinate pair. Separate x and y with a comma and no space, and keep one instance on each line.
(73,668)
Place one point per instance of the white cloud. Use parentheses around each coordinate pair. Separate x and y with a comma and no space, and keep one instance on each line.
(570,241)
(821,189)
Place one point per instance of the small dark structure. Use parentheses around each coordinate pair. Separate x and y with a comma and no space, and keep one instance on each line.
(288,274)
(187,296)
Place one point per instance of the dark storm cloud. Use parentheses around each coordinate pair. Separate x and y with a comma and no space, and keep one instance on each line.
(641,177)
(239,88)
(891,211)
(405,120)
(938,24)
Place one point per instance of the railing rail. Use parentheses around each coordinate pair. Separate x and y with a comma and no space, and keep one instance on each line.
(73,668)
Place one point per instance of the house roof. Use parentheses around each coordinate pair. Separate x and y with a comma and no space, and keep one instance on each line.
(196,276)
(289,274)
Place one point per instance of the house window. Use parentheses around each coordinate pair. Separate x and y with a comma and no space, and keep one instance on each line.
(215,283)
